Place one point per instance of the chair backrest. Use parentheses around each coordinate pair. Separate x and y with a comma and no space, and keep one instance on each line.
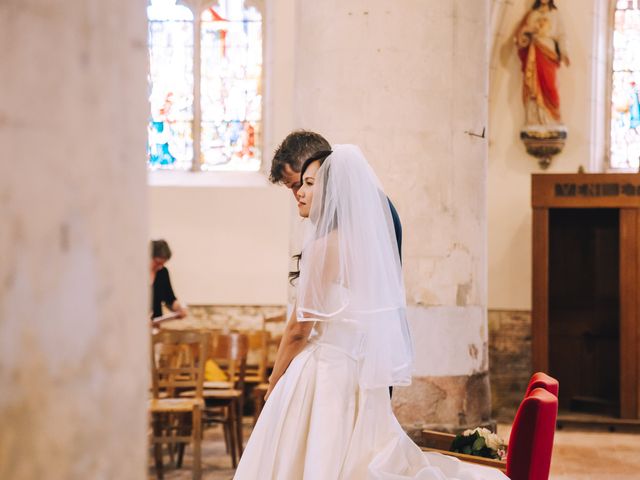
(258,351)
(542,380)
(230,351)
(275,325)
(531,439)
(177,361)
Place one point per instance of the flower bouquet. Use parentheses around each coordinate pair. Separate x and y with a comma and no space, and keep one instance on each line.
(480,442)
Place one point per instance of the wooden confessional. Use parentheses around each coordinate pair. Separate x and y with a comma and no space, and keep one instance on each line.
(586,290)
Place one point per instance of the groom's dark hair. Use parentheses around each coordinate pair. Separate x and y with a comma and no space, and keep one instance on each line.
(294,150)
(537,4)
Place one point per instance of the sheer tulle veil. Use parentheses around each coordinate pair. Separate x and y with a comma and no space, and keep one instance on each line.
(350,268)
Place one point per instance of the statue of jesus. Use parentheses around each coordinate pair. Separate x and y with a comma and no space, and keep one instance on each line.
(540,40)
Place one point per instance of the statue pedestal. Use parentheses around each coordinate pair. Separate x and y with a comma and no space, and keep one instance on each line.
(544,141)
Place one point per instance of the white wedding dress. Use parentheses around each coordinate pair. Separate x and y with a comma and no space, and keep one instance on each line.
(319,425)
(329,416)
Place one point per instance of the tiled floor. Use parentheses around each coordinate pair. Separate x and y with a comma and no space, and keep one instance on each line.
(577,455)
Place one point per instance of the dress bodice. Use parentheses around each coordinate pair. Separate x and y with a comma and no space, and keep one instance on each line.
(343,334)
(338,331)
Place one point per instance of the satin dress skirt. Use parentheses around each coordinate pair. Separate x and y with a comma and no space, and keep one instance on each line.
(319,425)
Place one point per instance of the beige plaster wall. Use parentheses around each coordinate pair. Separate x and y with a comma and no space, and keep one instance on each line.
(581,95)
(230,244)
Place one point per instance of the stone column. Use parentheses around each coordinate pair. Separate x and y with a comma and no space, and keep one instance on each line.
(408,82)
(73,276)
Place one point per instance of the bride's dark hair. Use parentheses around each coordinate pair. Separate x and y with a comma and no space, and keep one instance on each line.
(320,156)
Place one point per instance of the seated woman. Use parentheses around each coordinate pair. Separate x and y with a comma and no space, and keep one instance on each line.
(161,283)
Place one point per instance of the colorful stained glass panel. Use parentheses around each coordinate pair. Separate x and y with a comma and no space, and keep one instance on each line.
(170,127)
(625,95)
(231,87)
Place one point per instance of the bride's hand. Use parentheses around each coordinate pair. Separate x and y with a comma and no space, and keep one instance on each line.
(269,390)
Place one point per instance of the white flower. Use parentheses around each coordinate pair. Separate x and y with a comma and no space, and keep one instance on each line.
(493,441)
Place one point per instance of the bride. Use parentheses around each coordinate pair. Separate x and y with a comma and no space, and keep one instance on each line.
(328,412)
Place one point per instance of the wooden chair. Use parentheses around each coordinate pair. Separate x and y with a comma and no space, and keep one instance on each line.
(273,342)
(258,351)
(224,405)
(276,322)
(259,391)
(177,363)
(217,384)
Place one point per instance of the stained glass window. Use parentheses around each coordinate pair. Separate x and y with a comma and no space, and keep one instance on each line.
(229,87)
(625,95)
(171,85)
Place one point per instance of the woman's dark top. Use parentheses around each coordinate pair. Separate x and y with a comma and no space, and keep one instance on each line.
(162,292)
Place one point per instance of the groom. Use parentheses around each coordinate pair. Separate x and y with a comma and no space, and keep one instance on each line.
(297,147)
(287,162)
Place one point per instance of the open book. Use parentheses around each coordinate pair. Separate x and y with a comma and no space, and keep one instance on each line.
(164,318)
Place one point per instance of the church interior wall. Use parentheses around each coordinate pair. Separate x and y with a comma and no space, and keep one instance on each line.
(229,244)
(74,356)
(419,150)
(207,225)
(510,167)
(213,227)
(413,122)
(582,89)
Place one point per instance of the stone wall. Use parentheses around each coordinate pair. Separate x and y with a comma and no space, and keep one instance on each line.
(509,360)
(228,318)
(225,317)
(410,85)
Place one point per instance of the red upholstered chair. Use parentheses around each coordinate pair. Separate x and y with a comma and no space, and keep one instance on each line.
(531,439)
(542,380)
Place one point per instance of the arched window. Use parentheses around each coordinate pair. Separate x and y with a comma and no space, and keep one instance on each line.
(205,86)
(625,91)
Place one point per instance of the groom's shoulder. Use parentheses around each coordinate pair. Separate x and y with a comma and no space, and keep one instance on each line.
(394,212)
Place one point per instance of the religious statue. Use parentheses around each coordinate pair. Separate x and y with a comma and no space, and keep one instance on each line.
(540,42)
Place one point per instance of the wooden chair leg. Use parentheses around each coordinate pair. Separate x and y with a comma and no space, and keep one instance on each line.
(173,422)
(227,438)
(180,455)
(157,446)
(196,435)
(238,406)
(231,420)
(183,429)
(258,404)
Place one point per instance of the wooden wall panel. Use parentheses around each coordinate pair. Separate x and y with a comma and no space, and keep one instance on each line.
(540,283)
(629,312)
(620,191)
(592,190)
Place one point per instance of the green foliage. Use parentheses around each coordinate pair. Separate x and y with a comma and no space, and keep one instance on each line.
(472,444)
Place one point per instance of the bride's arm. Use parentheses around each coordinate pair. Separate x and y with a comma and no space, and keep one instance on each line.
(294,339)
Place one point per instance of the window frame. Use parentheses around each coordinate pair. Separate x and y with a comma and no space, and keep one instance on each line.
(160,176)
(610,30)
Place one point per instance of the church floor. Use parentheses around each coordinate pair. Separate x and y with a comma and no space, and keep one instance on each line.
(577,455)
